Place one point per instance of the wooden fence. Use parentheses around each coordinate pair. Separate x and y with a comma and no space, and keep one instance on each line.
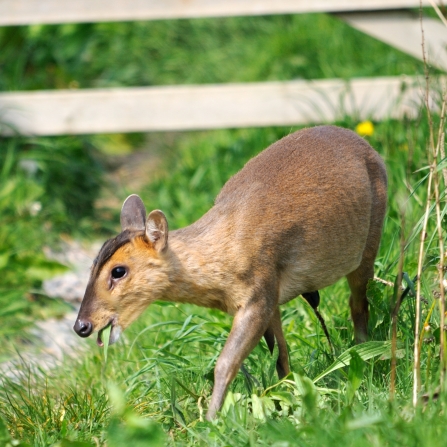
(23,12)
(228,105)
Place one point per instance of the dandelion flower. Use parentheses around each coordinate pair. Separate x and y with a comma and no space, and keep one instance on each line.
(365,128)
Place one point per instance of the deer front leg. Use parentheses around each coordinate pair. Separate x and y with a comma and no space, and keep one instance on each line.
(249,324)
(274,331)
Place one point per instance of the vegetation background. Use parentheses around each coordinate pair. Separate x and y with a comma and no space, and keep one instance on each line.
(156,383)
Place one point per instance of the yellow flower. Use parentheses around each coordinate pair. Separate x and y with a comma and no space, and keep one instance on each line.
(365,128)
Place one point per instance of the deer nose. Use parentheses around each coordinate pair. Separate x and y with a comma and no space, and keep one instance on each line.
(83,327)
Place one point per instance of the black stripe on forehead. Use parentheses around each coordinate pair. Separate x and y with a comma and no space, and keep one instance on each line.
(110,247)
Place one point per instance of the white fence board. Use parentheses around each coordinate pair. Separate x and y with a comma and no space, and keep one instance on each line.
(402,30)
(144,109)
(22,12)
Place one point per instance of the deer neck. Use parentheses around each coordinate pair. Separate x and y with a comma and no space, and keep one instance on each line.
(197,274)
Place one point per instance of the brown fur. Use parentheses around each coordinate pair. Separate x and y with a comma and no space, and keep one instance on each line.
(299,216)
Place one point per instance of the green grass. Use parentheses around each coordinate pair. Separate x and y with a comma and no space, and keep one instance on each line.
(156,385)
(163,367)
(238,49)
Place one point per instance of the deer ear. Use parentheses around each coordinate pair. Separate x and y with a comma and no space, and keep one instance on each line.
(133,214)
(157,230)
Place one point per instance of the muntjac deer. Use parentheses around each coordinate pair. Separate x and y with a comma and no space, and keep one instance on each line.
(302,214)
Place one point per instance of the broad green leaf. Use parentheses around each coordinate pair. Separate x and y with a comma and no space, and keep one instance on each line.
(268,405)
(229,402)
(308,392)
(355,374)
(303,384)
(283,396)
(257,408)
(365,351)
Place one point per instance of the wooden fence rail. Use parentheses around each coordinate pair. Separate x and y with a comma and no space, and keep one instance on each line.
(25,12)
(228,105)
(209,106)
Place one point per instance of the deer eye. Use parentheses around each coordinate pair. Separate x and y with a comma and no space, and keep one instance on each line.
(118,272)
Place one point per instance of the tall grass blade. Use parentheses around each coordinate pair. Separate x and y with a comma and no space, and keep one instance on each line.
(365,351)
(106,340)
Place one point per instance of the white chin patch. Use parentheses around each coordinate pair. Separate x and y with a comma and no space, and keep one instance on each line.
(115,334)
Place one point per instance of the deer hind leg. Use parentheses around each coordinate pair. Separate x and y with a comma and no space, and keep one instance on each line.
(274,331)
(358,281)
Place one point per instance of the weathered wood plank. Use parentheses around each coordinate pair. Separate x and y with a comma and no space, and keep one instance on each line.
(402,30)
(144,109)
(22,12)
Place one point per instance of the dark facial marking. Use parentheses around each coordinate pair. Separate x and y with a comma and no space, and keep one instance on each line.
(110,247)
